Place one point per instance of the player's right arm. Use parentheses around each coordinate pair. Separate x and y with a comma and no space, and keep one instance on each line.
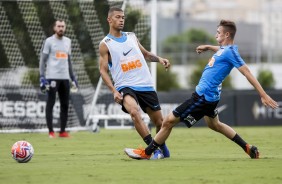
(44,54)
(103,66)
(203,48)
(43,57)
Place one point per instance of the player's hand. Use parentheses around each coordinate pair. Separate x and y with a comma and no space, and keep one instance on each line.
(201,49)
(74,86)
(118,97)
(165,63)
(44,84)
(269,102)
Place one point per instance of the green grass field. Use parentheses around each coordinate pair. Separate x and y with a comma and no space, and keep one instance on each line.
(198,156)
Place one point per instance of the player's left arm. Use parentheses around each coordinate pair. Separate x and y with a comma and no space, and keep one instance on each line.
(72,76)
(44,54)
(265,98)
(152,57)
(71,73)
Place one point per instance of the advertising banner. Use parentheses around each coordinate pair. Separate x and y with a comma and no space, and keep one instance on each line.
(236,108)
(251,112)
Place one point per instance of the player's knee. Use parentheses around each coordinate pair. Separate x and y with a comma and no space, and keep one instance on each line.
(211,126)
(135,114)
(158,122)
(170,121)
(167,124)
(215,126)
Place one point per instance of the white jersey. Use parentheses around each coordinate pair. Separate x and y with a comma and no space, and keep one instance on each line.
(58,50)
(128,66)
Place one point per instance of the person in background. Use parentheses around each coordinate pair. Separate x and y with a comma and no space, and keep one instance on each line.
(55,72)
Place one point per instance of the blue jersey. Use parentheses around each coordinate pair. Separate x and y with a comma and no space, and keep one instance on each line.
(217,70)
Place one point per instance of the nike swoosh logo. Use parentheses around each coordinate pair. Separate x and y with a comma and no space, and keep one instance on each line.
(125,53)
(221,108)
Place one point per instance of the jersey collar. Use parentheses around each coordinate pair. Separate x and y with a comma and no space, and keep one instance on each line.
(121,39)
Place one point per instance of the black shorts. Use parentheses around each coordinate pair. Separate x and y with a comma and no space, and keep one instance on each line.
(143,98)
(193,109)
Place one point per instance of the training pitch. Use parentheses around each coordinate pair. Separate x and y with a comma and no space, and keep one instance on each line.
(198,156)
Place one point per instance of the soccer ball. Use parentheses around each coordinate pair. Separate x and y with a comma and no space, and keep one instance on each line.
(22,151)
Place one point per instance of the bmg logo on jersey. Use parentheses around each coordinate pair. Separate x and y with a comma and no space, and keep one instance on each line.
(211,62)
(131,65)
(61,55)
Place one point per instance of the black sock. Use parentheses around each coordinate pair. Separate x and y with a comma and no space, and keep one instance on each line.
(148,139)
(151,148)
(237,139)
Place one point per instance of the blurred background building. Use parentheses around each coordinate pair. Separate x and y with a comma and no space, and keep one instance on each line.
(259,24)
(266,14)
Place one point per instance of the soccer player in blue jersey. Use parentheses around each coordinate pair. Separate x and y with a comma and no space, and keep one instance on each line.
(204,100)
(122,54)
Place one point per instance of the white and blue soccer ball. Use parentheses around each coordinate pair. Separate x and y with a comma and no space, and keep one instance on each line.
(22,151)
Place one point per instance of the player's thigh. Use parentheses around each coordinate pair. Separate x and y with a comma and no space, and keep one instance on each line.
(155,116)
(130,104)
(51,95)
(170,120)
(212,121)
(64,91)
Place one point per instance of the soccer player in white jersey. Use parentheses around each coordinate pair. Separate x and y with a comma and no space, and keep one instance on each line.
(204,100)
(122,54)
(55,72)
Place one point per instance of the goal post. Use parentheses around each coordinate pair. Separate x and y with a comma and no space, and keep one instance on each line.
(154,24)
